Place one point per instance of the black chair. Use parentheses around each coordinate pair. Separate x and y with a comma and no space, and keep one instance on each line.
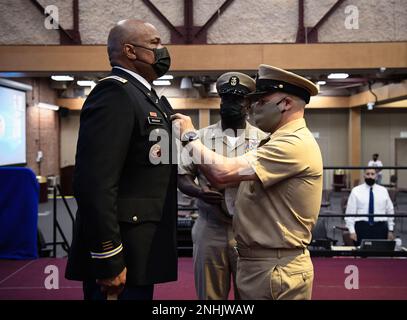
(326,199)
(339,182)
(393,181)
(320,239)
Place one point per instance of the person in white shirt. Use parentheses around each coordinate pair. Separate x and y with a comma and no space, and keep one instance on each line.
(372,199)
(375,162)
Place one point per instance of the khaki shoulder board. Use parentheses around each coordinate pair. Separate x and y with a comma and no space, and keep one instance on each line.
(122,80)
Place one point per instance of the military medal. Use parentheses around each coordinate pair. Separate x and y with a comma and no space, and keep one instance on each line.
(155,153)
(253,143)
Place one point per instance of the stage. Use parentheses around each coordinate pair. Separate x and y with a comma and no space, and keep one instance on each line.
(379,279)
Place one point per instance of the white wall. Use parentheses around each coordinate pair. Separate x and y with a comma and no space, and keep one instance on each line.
(331,128)
(379,130)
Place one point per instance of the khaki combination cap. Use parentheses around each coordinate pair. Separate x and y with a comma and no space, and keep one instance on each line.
(272,79)
(235,83)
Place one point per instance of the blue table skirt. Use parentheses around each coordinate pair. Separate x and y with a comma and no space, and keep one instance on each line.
(19,194)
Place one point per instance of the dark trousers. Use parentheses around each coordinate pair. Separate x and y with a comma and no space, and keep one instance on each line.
(91,291)
(378,230)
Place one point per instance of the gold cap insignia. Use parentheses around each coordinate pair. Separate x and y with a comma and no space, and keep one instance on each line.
(233,81)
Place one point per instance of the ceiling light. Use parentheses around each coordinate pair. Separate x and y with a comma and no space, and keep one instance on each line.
(382,69)
(86,83)
(370,105)
(166,77)
(212,88)
(161,82)
(47,106)
(321,83)
(186,83)
(338,76)
(62,78)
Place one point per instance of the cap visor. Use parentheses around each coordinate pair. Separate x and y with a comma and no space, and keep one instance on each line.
(231,91)
(254,96)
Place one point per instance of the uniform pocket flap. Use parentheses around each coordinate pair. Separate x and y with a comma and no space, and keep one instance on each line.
(304,271)
(139,210)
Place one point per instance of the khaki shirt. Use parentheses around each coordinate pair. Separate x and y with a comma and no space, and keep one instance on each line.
(214,138)
(280,209)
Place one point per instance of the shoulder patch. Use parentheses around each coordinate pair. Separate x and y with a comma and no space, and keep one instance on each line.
(122,80)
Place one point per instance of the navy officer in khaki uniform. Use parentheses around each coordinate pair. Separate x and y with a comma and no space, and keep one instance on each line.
(279,199)
(215,259)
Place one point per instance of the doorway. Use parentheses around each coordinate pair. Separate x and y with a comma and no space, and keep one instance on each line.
(401,161)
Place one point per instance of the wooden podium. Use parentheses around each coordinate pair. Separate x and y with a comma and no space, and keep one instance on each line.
(67,180)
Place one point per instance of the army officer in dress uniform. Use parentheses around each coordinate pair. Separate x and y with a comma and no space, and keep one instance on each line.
(215,259)
(279,199)
(125,230)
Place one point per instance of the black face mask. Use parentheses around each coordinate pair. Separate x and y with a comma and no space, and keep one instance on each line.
(162,60)
(370,181)
(232,111)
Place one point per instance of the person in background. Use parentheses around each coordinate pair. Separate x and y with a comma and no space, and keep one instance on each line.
(214,256)
(370,198)
(375,162)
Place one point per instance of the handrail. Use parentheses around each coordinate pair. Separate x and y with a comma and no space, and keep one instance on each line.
(337,215)
(362,167)
(324,215)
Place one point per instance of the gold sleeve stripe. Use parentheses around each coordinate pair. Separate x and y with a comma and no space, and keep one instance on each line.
(108,254)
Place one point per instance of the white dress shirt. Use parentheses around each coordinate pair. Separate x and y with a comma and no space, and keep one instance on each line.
(358,203)
(232,140)
(137,76)
(377,163)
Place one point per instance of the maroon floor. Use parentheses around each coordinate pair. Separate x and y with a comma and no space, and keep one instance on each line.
(378,279)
